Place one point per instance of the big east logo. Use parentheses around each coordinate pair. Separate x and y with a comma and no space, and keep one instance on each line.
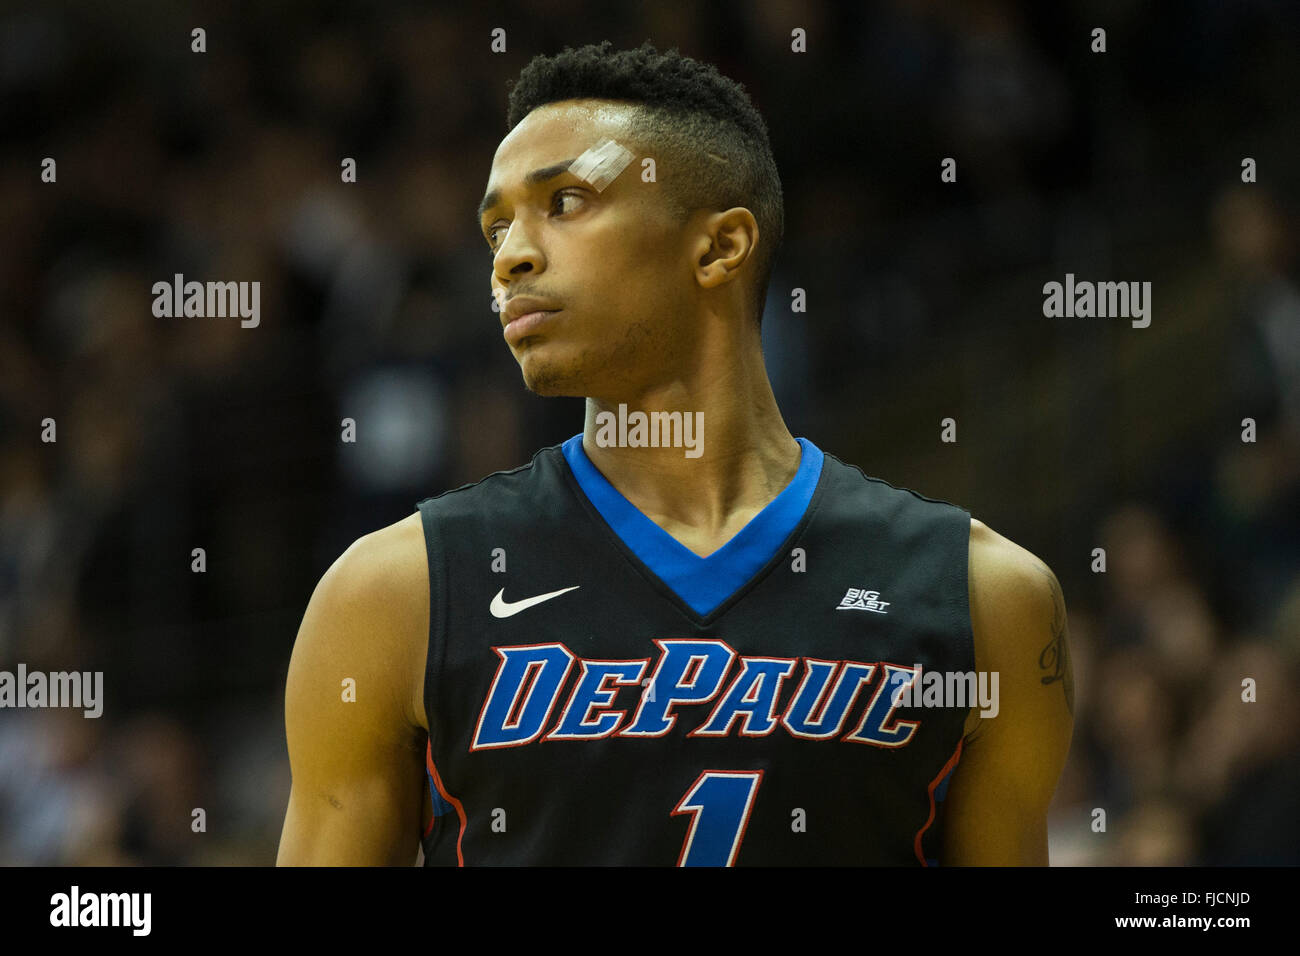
(529,680)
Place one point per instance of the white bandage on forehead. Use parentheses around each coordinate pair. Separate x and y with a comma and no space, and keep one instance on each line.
(601,164)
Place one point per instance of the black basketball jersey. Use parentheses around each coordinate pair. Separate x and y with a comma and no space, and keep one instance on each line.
(598,694)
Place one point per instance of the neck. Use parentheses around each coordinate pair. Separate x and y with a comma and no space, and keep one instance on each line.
(741,454)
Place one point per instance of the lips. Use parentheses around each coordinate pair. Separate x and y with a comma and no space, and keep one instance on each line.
(528,324)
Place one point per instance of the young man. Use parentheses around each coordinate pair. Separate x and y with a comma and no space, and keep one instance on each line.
(681,636)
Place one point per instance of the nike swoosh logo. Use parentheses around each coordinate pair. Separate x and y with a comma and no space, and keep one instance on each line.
(503,608)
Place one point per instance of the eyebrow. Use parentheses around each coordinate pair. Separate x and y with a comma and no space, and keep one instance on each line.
(531,179)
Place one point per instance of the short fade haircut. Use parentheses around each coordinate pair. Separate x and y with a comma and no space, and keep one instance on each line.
(685,111)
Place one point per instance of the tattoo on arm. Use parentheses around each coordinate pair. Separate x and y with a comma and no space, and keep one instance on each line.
(1055,657)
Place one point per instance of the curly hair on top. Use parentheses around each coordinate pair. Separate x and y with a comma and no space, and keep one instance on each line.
(710,144)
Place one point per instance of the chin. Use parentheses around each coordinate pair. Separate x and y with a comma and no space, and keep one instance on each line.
(551,379)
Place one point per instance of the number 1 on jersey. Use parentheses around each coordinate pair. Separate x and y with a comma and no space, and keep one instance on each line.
(719,802)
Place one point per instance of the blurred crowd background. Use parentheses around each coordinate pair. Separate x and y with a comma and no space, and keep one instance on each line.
(924,302)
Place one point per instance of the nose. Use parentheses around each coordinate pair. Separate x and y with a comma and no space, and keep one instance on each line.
(517,254)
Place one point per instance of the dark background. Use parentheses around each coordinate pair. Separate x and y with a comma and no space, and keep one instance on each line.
(924,302)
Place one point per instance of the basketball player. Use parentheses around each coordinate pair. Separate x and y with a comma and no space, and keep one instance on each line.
(692,652)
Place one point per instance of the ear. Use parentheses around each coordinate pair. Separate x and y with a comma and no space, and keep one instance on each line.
(727,242)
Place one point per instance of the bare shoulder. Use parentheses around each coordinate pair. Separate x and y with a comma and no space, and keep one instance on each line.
(353,708)
(385,563)
(378,590)
(996,809)
(1017,611)
(1004,574)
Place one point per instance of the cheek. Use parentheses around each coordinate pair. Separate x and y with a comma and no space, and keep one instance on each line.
(648,275)
(630,273)
(633,244)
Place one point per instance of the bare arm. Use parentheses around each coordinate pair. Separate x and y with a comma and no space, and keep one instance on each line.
(358,765)
(996,808)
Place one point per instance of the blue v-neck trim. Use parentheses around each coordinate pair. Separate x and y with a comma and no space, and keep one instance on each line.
(702,583)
